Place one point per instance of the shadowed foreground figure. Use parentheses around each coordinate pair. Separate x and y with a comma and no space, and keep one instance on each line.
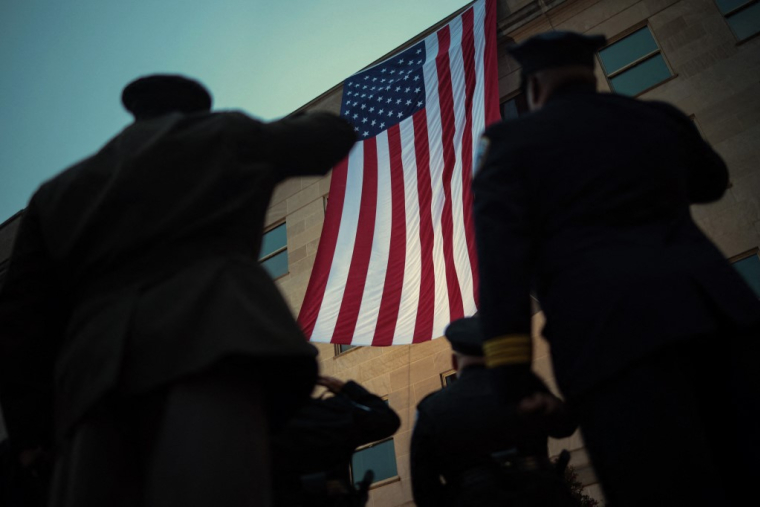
(488,453)
(653,334)
(134,304)
(312,454)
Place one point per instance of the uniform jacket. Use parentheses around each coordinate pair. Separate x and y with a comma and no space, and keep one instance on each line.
(586,201)
(138,265)
(457,430)
(323,436)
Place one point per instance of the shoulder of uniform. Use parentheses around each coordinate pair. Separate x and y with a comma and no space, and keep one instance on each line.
(668,109)
(235,117)
(428,400)
(502,128)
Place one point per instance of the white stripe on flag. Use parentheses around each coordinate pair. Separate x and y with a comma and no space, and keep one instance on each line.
(461,253)
(378,262)
(478,104)
(410,293)
(336,283)
(435,135)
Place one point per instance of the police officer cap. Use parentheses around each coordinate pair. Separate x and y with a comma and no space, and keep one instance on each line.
(556,49)
(465,336)
(163,93)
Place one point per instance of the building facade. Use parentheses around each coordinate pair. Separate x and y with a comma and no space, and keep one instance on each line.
(701,55)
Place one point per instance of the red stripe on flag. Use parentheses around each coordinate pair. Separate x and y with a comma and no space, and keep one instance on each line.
(423,327)
(357,272)
(315,292)
(468,56)
(446,100)
(394,275)
(491,77)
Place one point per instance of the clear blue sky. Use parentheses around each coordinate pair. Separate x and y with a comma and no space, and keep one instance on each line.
(63,64)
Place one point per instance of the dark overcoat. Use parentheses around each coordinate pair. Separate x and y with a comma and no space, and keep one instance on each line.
(586,201)
(456,432)
(138,265)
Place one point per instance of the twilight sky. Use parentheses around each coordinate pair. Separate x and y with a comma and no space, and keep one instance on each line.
(63,64)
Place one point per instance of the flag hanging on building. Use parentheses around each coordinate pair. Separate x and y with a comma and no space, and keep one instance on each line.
(396,260)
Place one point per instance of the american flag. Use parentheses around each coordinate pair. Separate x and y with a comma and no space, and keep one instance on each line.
(396,260)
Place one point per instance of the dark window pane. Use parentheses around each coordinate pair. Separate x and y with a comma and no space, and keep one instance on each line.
(342,348)
(641,77)
(726,6)
(277,265)
(746,22)
(273,241)
(380,458)
(628,50)
(514,107)
(749,268)
(509,110)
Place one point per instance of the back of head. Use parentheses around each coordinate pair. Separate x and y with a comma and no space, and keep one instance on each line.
(158,94)
(556,49)
(555,59)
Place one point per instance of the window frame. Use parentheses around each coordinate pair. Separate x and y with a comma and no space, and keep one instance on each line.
(734,11)
(339,352)
(744,255)
(752,252)
(387,480)
(284,248)
(619,37)
(381,482)
(513,96)
(446,374)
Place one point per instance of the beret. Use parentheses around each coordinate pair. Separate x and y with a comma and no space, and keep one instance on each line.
(163,93)
(465,336)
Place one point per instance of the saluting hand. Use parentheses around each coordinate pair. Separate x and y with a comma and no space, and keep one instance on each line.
(332,384)
(549,412)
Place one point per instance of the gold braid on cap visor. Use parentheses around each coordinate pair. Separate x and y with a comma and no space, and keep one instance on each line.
(507,350)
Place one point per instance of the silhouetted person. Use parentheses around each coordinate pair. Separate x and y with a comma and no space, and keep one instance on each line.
(312,454)
(470,449)
(586,201)
(134,303)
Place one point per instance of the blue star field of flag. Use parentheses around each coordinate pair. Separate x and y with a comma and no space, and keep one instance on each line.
(380,97)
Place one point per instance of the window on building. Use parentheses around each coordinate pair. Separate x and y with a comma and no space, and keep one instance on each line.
(340,348)
(514,107)
(748,265)
(380,457)
(274,251)
(634,63)
(743,16)
(448,378)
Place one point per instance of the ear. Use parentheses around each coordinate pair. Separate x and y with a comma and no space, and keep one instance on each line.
(533,89)
(454,362)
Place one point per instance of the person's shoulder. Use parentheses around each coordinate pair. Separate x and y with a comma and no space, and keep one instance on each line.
(668,110)
(509,129)
(622,102)
(432,400)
